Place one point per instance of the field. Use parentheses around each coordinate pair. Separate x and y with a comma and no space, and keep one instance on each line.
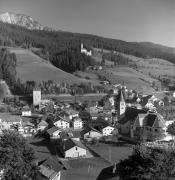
(81,98)
(154,66)
(32,67)
(112,152)
(85,169)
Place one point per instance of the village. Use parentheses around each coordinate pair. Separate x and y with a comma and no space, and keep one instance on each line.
(72,130)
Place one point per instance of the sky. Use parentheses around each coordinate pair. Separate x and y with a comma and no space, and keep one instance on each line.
(129,20)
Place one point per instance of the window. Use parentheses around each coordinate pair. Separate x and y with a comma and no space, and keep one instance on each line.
(156,130)
(76,148)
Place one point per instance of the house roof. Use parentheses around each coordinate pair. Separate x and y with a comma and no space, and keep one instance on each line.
(77,119)
(43,123)
(154,120)
(53,129)
(26,108)
(139,120)
(50,167)
(70,134)
(71,112)
(76,134)
(88,129)
(131,114)
(65,118)
(144,100)
(70,143)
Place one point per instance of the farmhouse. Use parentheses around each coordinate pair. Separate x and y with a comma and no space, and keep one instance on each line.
(89,133)
(73,149)
(54,132)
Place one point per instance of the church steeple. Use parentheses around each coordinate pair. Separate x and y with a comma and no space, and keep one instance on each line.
(121,104)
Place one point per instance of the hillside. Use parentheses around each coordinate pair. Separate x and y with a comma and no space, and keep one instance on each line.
(59,42)
(32,67)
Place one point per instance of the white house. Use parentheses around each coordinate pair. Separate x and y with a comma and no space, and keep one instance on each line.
(63,123)
(77,123)
(26,113)
(107,130)
(73,149)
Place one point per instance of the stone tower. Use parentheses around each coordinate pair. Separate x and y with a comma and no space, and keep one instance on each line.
(36,97)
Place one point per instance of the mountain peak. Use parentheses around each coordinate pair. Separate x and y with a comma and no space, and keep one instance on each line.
(22,20)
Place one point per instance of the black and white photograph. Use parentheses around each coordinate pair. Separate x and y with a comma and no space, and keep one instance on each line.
(87,89)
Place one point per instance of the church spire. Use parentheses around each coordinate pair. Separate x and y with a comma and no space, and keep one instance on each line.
(122,105)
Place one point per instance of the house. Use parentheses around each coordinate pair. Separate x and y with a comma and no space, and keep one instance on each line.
(151,127)
(77,123)
(8,120)
(73,149)
(89,133)
(50,169)
(26,111)
(62,122)
(107,130)
(102,126)
(73,134)
(54,132)
(42,125)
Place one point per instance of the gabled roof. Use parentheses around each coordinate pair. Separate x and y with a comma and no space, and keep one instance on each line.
(50,167)
(154,120)
(139,120)
(70,143)
(71,112)
(144,100)
(76,134)
(88,129)
(77,119)
(43,123)
(61,118)
(53,129)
